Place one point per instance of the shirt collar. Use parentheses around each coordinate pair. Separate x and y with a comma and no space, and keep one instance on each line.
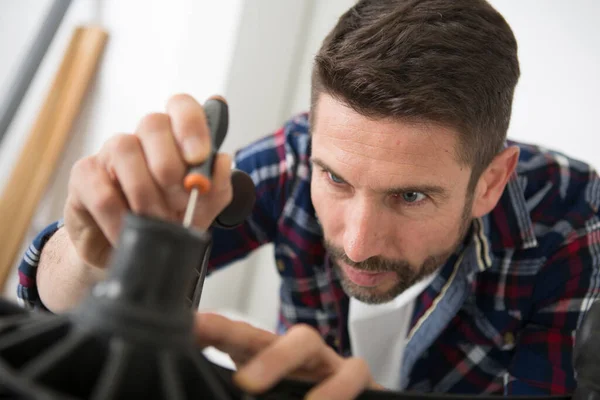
(507,226)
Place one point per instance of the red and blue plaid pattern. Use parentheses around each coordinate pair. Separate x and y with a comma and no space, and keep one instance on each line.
(501,315)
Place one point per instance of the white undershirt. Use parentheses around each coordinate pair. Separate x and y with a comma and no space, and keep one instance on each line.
(378,333)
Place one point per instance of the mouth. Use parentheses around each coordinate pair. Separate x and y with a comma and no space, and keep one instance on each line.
(366,278)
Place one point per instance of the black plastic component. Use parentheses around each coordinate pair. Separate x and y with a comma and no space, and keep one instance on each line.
(244,198)
(217,119)
(132,337)
(586,357)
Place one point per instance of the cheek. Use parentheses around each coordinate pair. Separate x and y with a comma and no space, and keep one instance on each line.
(432,234)
(330,211)
(417,237)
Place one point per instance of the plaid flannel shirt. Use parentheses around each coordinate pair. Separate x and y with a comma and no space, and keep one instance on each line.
(501,315)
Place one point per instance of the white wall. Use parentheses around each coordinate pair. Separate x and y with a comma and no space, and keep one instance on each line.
(557,100)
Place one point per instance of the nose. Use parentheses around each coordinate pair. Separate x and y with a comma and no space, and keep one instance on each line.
(364,231)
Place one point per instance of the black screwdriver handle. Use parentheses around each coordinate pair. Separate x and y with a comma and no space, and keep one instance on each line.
(217,118)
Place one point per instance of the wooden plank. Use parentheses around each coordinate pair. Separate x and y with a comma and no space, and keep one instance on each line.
(40,154)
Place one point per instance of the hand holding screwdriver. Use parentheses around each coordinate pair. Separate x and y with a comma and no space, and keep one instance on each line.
(148,172)
(198,180)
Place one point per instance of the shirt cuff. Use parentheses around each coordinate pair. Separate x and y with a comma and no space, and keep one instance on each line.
(27,291)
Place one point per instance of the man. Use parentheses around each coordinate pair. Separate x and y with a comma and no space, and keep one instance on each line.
(418,248)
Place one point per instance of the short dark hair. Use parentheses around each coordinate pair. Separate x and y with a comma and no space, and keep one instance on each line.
(450,62)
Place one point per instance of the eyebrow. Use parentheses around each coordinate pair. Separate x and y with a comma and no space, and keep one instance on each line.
(434,190)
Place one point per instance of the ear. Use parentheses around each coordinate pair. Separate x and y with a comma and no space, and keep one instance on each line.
(493,180)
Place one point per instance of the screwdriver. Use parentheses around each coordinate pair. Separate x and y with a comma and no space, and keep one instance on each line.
(198,178)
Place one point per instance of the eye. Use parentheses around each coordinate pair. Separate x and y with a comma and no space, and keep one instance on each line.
(334,178)
(412,197)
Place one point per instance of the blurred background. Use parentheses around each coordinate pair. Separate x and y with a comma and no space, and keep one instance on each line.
(258,54)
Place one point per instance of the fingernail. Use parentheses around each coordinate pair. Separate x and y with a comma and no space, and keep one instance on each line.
(194,149)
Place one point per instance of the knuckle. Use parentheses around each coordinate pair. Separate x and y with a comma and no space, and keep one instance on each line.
(140,198)
(123,143)
(179,98)
(153,123)
(105,200)
(81,170)
(306,331)
(359,365)
(240,326)
(191,124)
(82,165)
(167,174)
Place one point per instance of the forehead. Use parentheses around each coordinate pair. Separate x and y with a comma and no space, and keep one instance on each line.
(348,141)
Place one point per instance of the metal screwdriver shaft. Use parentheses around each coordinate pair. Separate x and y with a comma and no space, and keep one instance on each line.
(198,179)
(191,207)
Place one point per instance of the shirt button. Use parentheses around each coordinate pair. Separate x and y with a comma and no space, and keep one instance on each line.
(280,265)
(509,339)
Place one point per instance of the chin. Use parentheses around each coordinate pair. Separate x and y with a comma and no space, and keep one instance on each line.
(371,295)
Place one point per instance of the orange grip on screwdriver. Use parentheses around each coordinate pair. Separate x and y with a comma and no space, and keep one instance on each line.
(198,181)
(217,118)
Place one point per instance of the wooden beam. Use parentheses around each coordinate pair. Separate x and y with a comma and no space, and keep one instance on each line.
(39,157)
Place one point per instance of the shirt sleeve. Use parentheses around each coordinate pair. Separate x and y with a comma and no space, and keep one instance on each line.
(27,292)
(266,161)
(566,287)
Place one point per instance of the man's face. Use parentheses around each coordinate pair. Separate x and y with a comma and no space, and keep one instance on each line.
(391,198)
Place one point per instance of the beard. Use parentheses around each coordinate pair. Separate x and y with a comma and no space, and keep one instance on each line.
(407,275)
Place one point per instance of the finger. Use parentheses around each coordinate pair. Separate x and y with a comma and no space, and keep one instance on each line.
(91,244)
(349,381)
(300,349)
(212,203)
(222,173)
(240,340)
(92,191)
(122,155)
(161,151)
(189,128)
